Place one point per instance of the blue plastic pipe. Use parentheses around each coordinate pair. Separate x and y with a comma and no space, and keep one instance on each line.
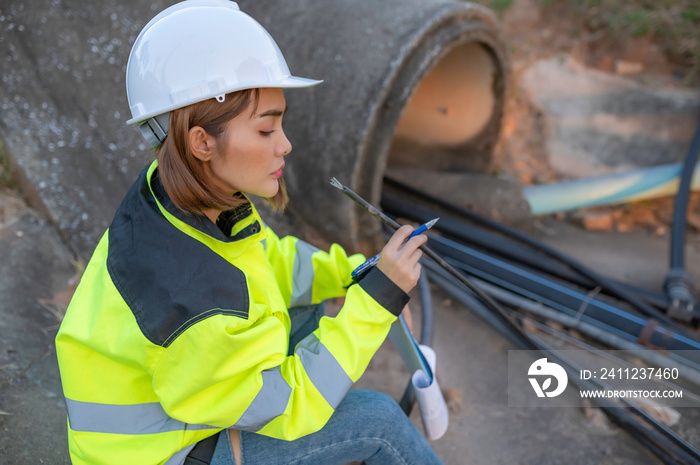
(641,184)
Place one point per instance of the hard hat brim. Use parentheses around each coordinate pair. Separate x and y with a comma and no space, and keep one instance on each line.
(294,82)
(289,82)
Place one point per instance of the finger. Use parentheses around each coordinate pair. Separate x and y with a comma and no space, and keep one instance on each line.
(412,275)
(410,264)
(414,243)
(399,236)
(417,271)
(415,256)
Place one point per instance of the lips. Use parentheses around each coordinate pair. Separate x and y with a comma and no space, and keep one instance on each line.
(278,173)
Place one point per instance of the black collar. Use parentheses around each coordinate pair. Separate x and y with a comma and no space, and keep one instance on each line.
(225,223)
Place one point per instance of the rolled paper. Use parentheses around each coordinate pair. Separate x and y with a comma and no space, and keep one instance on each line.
(433,409)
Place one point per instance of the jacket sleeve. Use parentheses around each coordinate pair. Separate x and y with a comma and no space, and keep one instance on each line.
(241,377)
(306,274)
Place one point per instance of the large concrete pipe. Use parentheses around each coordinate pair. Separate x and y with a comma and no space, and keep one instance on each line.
(408,83)
(63,108)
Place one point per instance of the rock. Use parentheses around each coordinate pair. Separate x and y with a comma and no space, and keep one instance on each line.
(625,68)
(597,418)
(666,415)
(623,227)
(593,221)
(693,219)
(454,398)
(599,123)
(530,327)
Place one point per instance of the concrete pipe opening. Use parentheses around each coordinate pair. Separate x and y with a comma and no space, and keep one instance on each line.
(410,85)
(450,106)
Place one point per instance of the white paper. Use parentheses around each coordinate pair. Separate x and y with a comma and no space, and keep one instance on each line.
(407,347)
(421,361)
(432,405)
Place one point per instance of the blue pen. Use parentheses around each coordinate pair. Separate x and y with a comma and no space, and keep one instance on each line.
(373,261)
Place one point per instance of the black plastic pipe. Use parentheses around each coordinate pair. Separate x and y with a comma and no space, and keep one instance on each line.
(606,283)
(502,246)
(680,207)
(667,446)
(565,299)
(427,322)
(678,283)
(664,443)
(509,249)
(498,312)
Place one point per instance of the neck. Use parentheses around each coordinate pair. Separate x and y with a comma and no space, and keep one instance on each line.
(212,214)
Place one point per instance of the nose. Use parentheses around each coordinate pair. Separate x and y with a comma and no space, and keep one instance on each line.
(283,146)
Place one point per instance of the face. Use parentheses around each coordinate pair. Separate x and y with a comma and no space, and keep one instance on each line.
(249,155)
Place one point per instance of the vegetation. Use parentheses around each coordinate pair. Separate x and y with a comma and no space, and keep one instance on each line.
(499,6)
(674,24)
(6,178)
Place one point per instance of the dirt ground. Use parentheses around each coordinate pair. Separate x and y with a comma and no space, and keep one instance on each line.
(484,431)
(537,30)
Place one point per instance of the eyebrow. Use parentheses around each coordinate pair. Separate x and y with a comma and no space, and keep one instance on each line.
(273,112)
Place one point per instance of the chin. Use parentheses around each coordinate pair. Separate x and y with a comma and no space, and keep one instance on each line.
(268,192)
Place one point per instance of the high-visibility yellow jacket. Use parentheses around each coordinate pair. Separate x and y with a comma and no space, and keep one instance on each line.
(177,331)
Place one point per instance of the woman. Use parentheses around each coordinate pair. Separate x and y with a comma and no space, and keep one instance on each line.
(194,336)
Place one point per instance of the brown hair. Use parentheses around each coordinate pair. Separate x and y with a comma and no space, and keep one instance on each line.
(182,173)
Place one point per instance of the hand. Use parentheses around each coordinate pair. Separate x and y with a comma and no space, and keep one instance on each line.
(400,263)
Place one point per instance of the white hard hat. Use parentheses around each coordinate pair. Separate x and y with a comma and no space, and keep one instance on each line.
(197,50)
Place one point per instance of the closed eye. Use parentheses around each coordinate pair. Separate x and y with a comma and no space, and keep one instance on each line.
(266,133)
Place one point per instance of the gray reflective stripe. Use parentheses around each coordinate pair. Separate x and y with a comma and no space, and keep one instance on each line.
(264,241)
(270,402)
(323,369)
(178,458)
(303,274)
(131,419)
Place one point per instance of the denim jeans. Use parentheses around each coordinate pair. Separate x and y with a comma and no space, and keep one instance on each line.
(367,425)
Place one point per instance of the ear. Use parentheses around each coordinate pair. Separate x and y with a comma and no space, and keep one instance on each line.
(202,145)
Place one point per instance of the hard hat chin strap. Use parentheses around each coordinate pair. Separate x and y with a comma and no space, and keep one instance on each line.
(155,129)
